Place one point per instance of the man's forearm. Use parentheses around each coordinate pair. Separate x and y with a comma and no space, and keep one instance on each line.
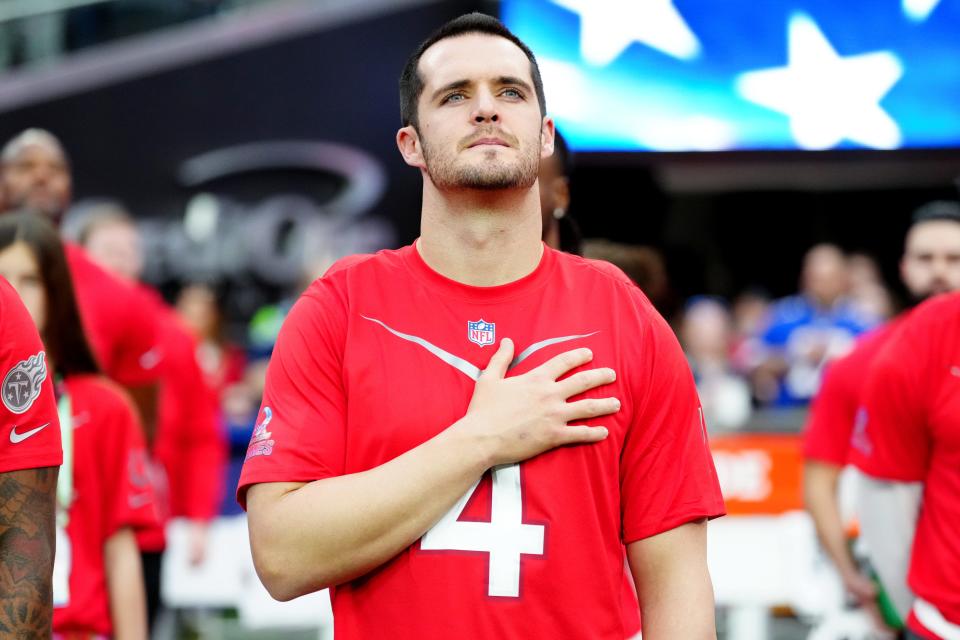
(128,603)
(673,584)
(820,482)
(27,540)
(309,536)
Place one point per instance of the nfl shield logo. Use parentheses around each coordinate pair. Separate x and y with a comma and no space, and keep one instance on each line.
(481,332)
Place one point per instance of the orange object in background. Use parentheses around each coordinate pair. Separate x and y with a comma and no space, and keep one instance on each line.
(760,474)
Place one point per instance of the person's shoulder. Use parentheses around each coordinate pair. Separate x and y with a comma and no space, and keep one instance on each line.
(790,310)
(939,311)
(598,272)
(602,276)
(98,394)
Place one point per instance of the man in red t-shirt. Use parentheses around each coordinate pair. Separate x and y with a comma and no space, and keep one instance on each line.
(930,265)
(189,443)
(35,176)
(907,442)
(460,436)
(30,454)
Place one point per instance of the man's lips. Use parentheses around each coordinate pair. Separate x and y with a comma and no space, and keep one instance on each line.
(497,142)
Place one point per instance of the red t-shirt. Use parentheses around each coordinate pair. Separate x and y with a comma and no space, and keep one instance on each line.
(382,354)
(117,320)
(911,433)
(834,409)
(29,428)
(189,444)
(110,491)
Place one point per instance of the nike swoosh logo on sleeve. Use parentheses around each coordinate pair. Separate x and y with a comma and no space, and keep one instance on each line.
(17,438)
(466,367)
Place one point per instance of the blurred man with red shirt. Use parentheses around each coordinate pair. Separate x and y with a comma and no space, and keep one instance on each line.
(907,442)
(189,442)
(930,265)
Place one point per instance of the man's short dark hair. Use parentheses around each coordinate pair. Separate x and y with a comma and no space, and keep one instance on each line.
(411,84)
(937,210)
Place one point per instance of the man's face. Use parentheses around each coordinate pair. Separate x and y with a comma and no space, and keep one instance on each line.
(480,125)
(116,247)
(38,178)
(931,260)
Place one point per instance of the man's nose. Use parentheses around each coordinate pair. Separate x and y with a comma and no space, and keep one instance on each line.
(486,108)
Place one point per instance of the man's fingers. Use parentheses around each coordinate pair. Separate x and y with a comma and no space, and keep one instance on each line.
(592,408)
(500,362)
(586,380)
(559,365)
(576,434)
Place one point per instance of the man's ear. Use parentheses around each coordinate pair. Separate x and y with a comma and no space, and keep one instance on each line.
(408,141)
(547,132)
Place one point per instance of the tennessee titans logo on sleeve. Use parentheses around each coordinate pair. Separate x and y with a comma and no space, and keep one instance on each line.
(21,386)
(261,443)
(481,332)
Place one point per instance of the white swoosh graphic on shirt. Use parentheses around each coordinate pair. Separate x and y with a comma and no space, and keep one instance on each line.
(17,438)
(454,361)
(466,367)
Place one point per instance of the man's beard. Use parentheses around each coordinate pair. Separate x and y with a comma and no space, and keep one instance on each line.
(487,175)
(939,287)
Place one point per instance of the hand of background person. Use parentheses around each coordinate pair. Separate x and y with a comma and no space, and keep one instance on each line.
(525,415)
(864,591)
(197,540)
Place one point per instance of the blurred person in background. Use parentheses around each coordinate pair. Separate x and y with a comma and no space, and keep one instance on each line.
(102,491)
(750,311)
(560,230)
(807,330)
(221,360)
(189,442)
(868,291)
(930,265)
(706,334)
(35,176)
(30,457)
(906,442)
(644,265)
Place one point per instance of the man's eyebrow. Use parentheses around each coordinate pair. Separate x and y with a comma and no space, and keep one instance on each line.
(515,81)
(456,84)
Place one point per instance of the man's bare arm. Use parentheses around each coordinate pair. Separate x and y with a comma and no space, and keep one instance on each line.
(820,482)
(27,542)
(306,537)
(673,583)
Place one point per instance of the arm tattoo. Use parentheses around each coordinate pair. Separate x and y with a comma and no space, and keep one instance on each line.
(27,534)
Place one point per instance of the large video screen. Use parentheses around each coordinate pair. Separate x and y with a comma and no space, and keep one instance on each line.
(710,75)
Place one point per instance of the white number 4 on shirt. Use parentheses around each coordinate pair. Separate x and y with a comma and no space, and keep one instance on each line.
(505,537)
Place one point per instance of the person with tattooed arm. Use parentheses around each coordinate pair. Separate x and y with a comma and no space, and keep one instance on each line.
(30,455)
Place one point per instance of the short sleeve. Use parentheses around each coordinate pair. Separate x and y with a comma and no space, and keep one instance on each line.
(890,438)
(134,504)
(827,435)
(300,430)
(29,427)
(138,351)
(119,321)
(667,475)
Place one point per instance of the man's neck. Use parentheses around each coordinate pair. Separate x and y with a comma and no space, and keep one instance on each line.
(481,238)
